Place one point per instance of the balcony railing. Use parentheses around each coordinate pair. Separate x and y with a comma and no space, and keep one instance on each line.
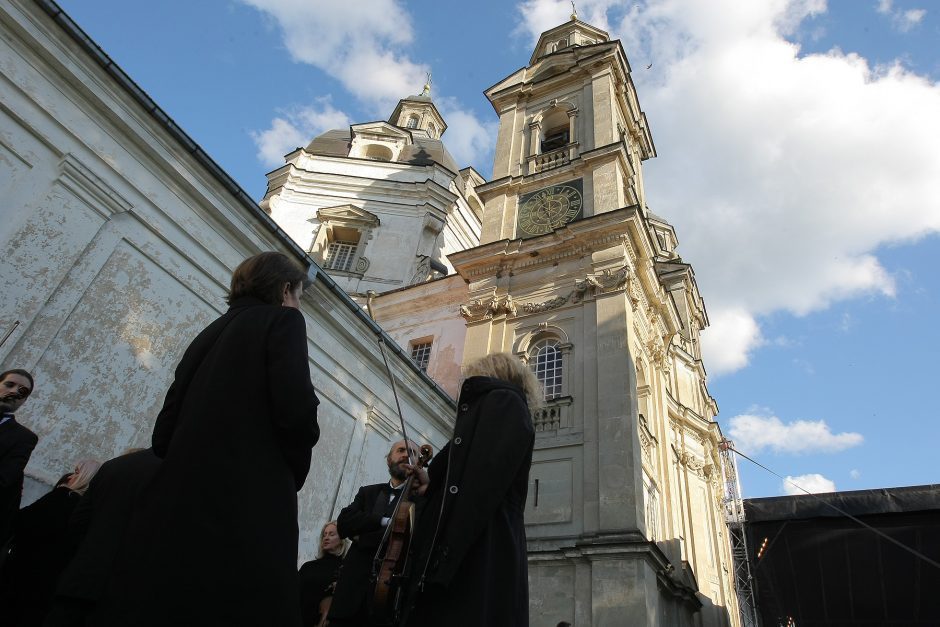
(553,415)
(555,158)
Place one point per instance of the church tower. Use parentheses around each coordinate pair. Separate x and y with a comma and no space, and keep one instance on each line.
(577,277)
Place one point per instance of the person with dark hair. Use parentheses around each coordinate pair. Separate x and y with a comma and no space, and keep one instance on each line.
(16,445)
(40,550)
(94,533)
(470,567)
(213,540)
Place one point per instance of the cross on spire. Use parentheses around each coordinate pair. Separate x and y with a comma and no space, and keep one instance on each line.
(427,86)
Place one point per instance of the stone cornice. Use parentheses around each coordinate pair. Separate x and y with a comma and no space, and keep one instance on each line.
(575,238)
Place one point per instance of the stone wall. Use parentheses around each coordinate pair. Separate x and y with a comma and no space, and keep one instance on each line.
(120,237)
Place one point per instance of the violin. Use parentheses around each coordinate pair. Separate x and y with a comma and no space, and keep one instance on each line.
(392,567)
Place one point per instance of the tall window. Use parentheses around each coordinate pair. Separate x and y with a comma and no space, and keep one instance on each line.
(546,361)
(339,255)
(412,122)
(421,354)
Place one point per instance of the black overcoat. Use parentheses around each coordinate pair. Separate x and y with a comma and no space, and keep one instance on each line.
(214,538)
(476,571)
(98,523)
(16,445)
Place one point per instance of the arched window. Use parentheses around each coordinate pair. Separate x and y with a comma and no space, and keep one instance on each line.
(546,361)
(432,130)
(412,122)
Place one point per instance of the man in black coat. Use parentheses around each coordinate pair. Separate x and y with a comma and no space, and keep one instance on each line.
(16,445)
(95,531)
(213,541)
(364,521)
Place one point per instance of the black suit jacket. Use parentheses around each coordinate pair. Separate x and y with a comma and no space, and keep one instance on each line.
(16,445)
(360,521)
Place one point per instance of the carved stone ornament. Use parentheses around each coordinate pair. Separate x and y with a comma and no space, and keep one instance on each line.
(484,309)
(607,281)
(422,271)
(362,264)
(548,305)
(694,464)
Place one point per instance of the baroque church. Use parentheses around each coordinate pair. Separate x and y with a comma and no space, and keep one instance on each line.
(120,234)
(559,260)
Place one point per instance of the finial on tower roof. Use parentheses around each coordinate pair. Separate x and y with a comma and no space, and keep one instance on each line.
(574,11)
(427,86)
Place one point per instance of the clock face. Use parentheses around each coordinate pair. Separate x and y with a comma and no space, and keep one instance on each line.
(550,208)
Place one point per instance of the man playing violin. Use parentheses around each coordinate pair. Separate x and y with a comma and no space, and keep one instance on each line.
(364,522)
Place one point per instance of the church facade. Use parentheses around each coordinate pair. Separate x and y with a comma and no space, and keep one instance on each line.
(558,260)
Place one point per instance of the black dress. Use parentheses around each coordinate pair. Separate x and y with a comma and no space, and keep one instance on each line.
(214,538)
(316,579)
(40,553)
(476,571)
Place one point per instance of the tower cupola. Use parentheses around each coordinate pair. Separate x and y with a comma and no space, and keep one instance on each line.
(419,115)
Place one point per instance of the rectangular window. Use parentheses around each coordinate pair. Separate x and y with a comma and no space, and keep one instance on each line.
(339,255)
(421,355)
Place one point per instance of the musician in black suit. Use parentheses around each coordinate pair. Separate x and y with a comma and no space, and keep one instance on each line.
(364,522)
(16,445)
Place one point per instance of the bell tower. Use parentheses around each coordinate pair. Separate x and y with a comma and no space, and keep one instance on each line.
(570,127)
(577,277)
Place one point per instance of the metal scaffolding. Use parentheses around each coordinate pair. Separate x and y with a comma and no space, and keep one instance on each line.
(734,517)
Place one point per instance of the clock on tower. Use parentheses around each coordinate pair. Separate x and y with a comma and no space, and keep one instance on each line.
(547,209)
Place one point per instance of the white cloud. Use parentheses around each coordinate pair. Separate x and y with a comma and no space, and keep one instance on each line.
(756,432)
(911,18)
(855,473)
(364,45)
(733,335)
(783,173)
(296,128)
(813,483)
(900,19)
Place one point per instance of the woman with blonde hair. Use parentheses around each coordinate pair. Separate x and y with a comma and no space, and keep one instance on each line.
(318,577)
(470,566)
(40,550)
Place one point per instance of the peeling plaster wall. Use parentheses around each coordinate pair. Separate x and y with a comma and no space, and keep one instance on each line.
(119,247)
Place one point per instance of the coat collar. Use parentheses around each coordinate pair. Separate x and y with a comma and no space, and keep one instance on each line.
(246,301)
(478,386)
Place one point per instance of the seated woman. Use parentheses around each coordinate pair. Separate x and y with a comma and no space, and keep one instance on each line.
(318,577)
(470,566)
(40,550)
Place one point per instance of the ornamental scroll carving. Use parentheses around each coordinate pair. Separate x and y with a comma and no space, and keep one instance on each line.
(483,309)
(695,465)
(607,281)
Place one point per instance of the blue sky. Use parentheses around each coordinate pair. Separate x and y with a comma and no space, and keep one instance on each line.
(798,160)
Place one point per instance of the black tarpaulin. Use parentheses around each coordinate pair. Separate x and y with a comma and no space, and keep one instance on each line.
(819,567)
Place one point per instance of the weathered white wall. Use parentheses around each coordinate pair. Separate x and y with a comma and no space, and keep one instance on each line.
(118,249)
